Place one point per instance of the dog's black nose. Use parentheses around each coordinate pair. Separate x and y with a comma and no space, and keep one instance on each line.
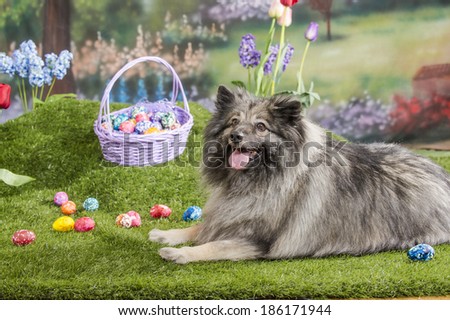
(236,137)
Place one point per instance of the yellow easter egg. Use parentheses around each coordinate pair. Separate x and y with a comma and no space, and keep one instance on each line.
(152,130)
(65,223)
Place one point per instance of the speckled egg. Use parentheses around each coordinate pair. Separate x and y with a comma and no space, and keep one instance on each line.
(192,213)
(119,119)
(23,237)
(84,224)
(60,198)
(421,252)
(69,208)
(90,204)
(160,211)
(63,224)
(127,126)
(143,126)
(124,220)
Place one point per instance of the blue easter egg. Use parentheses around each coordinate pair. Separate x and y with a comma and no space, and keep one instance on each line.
(421,252)
(90,204)
(136,110)
(143,126)
(119,119)
(192,213)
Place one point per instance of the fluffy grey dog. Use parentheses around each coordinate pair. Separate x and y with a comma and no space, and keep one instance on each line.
(280,188)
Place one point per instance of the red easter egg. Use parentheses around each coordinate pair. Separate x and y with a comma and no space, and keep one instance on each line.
(135,218)
(23,237)
(84,224)
(160,211)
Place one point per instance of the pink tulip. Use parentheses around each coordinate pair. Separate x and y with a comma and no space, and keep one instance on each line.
(286,19)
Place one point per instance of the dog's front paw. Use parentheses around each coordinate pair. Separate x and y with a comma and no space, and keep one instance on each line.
(173,254)
(157,235)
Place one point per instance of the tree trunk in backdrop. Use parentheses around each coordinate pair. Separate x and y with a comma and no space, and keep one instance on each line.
(57,38)
(324,7)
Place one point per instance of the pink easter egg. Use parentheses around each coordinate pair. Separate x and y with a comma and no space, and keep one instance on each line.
(135,218)
(84,224)
(23,237)
(142,117)
(127,126)
(60,198)
(160,211)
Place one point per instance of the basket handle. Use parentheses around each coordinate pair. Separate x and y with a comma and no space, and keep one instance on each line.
(176,87)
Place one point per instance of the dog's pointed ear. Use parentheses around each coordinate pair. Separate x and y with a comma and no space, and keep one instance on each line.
(287,108)
(224,98)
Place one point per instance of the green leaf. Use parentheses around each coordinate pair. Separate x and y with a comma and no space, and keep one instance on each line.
(59,97)
(12,179)
(239,84)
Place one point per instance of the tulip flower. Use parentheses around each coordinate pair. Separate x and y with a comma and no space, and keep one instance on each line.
(312,31)
(5,96)
(288,3)
(310,35)
(276,9)
(285,20)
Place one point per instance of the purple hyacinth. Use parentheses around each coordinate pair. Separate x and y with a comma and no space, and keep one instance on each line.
(287,56)
(271,60)
(249,56)
(273,57)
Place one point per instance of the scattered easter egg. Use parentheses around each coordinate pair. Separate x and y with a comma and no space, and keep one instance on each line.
(63,224)
(60,198)
(124,220)
(127,126)
(84,224)
(160,211)
(192,213)
(135,218)
(421,252)
(90,204)
(23,237)
(69,208)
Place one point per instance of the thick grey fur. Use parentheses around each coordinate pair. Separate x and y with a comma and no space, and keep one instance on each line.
(339,198)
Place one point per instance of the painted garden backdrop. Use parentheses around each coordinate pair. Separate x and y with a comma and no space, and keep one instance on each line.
(381,67)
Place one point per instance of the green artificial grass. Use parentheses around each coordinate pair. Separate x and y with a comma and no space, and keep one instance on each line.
(56,145)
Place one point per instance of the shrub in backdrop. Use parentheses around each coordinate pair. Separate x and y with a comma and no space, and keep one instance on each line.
(96,62)
(414,117)
(359,119)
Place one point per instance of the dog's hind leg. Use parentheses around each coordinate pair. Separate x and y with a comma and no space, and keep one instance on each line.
(173,237)
(216,250)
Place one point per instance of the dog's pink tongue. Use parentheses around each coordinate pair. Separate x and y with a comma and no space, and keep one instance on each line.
(239,160)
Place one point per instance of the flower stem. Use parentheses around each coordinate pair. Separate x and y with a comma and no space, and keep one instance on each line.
(299,76)
(277,64)
(249,80)
(50,90)
(271,34)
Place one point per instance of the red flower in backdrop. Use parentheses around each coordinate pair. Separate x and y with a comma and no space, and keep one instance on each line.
(5,96)
(288,3)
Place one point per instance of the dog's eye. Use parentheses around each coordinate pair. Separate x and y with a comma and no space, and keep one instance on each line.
(234,121)
(261,127)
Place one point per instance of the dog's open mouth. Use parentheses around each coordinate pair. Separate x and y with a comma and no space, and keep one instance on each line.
(241,157)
